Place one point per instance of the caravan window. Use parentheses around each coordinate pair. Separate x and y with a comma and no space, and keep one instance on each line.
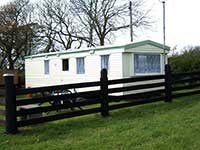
(65,64)
(80,65)
(46,66)
(105,62)
(147,63)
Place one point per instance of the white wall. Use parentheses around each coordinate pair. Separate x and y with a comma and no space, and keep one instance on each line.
(35,77)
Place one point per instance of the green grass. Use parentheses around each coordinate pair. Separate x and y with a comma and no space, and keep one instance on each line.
(160,126)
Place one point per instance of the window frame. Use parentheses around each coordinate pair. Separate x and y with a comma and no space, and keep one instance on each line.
(63,64)
(77,66)
(47,67)
(148,73)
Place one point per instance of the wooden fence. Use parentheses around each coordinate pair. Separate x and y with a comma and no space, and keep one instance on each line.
(106,96)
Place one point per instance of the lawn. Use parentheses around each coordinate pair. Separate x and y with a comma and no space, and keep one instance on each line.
(160,126)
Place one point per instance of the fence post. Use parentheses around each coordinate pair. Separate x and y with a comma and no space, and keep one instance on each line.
(168,83)
(11,119)
(104,93)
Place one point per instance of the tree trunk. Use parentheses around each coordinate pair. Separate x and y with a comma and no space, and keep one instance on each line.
(10,63)
(102,41)
(90,36)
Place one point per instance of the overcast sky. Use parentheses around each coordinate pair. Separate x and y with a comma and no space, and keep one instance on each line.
(182,23)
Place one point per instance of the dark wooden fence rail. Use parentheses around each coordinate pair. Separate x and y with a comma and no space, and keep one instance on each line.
(58,87)
(185,84)
(49,98)
(104,98)
(135,79)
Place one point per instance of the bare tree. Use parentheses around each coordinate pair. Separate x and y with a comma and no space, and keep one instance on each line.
(59,26)
(100,18)
(16,32)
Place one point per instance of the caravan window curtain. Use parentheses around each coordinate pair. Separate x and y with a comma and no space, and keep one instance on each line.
(105,62)
(80,65)
(147,63)
(46,66)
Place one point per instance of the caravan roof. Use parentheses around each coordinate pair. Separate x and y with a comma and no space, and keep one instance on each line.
(101,48)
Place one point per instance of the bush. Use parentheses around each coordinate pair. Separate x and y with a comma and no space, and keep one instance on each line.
(188,61)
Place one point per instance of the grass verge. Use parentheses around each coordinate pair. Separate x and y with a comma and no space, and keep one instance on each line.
(163,126)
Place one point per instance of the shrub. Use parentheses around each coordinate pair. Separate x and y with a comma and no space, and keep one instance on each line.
(188,61)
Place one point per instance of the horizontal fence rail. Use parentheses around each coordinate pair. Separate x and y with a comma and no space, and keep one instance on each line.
(185,94)
(88,95)
(136,95)
(185,84)
(50,103)
(138,102)
(2,101)
(135,79)
(58,87)
(186,80)
(2,123)
(186,87)
(2,112)
(136,87)
(56,107)
(57,117)
(2,92)
(188,74)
